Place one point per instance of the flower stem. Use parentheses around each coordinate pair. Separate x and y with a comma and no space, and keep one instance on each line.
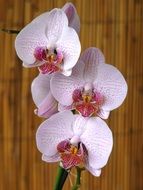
(61,178)
(10,31)
(78,183)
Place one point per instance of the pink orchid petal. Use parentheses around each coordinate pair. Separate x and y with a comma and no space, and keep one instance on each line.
(54,130)
(72,15)
(98,140)
(28,39)
(62,88)
(111,84)
(103,114)
(70,50)
(54,158)
(91,58)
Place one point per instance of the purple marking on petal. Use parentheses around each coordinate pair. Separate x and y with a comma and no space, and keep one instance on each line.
(98,98)
(48,68)
(77,95)
(59,56)
(62,146)
(86,101)
(70,13)
(86,109)
(52,60)
(40,53)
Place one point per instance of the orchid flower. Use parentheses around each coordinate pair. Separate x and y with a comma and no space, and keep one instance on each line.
(42,97)
(94,88)
(49,42)
(75,141)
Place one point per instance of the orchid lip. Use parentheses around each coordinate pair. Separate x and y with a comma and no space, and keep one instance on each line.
(86,101)
(72,155)
(51,59)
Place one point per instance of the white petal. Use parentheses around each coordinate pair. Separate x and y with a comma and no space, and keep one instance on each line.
(62,88)
(93,171)
(40,88)
(56,23)
(54,158)
(67,72)
(98,140)
(41,94)
(78,70)
(111,84)
(69,44)
(48,106)
(30,37)
(72,15)
(103,114)
(54,130)
(79,124)
(91,58)
(63,108)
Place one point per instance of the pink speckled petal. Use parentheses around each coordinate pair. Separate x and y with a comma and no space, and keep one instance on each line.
(98,140)
(70,46)
(56,23)
(91,58)
(30,37)
(54,158)
(62,88)
(80,124)
(54,130)
(111,84)
(45,102)
(72,15)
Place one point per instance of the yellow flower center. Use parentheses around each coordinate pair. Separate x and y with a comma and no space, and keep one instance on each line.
(73,149)
(86,98)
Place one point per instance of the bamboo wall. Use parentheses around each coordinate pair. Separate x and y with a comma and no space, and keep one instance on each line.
(115,26)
